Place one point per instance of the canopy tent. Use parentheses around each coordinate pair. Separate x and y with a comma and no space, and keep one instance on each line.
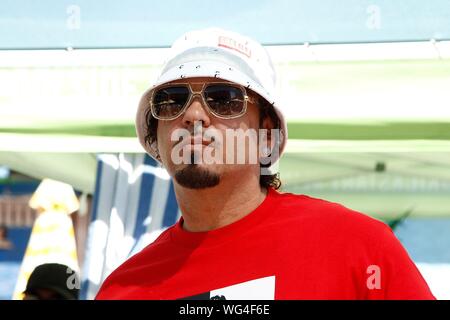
(59,109)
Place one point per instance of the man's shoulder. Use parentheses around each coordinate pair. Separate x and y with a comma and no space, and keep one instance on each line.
(135,264)
(154,248)
(304,209)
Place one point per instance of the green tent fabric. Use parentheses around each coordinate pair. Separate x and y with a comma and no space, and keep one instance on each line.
(345,119)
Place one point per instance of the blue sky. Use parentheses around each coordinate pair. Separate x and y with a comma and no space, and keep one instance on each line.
(138,23)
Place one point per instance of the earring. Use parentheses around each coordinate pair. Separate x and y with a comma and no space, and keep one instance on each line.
(266,151)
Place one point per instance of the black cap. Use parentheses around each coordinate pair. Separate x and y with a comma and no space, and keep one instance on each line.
(55,277)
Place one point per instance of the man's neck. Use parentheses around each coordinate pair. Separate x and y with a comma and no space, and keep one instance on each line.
(213,208)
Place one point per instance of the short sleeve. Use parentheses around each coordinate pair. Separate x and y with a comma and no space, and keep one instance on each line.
(400,277)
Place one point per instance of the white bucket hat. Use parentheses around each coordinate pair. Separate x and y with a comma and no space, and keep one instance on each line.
(221,54)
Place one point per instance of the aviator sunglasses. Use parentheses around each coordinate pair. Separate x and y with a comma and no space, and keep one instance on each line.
(224,100)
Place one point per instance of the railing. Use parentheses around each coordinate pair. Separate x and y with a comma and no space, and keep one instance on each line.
(15,212)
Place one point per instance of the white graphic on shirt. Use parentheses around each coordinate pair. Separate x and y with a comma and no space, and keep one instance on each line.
(258,289)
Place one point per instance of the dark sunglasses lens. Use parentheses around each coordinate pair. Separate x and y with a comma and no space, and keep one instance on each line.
(225,100)
(168,102)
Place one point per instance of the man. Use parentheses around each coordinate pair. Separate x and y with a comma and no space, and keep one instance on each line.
(52,281)
(239,238)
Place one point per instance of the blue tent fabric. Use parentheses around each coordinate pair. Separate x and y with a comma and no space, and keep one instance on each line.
(134,202)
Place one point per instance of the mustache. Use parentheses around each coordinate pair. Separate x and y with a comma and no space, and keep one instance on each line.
(185,138)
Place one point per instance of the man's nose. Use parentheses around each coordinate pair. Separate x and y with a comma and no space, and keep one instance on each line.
(196,111)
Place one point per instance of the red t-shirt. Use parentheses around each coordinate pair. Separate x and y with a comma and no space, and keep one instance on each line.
(290,247)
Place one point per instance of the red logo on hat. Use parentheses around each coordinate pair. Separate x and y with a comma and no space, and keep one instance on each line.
(232,44)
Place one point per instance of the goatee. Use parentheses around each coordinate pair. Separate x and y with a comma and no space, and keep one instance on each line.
(195,177)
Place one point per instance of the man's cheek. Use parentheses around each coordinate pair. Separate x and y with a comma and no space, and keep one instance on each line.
(163,139)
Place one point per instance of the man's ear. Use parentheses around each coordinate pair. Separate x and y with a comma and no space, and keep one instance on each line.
(267,124)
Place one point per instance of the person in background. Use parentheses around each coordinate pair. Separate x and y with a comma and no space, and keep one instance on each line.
(5,244)
(52,281)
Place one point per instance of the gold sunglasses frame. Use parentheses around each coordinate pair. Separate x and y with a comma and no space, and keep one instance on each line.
(198,93)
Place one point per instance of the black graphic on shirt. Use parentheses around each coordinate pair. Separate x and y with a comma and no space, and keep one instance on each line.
(258,289)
